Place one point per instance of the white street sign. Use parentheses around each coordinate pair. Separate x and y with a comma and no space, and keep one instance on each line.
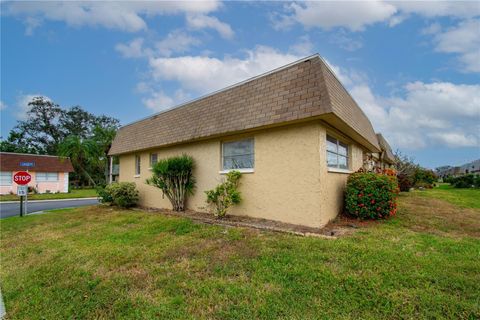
(22,190)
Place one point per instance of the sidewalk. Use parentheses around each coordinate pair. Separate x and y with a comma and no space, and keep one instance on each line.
(47,200)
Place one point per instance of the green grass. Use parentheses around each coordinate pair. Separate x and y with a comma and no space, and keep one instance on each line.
(465,198)
(75,193)
(103,263)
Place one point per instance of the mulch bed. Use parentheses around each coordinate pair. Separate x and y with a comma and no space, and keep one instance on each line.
(341,226)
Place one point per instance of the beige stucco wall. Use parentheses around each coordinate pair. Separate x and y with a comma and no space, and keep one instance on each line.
(290,183)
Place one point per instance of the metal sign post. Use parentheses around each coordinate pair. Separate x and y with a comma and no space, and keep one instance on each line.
(22,179)
(22,192)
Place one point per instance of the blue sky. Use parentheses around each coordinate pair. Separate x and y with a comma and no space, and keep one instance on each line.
(413,67)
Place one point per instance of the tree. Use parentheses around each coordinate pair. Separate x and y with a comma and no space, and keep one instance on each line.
(175,178)
(404,164)
(83,153)
(49,129)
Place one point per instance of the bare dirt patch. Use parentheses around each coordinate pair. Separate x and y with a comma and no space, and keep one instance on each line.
(339,227)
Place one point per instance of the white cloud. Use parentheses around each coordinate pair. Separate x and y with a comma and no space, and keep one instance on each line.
(357,15)
(455,139)
(176,41)
(431,9)
(203,74)
(3,106)
(463,39)
(344,41)
(159,101)
(133,49)
(354,15)
(202,21)
(121,15)
(434,28)
(304,47)
(22,106)
(424,114)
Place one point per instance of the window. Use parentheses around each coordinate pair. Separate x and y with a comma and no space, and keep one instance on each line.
(153,159)
(337,154)
(5,178)
(238,155)
(137,165)
(46,176)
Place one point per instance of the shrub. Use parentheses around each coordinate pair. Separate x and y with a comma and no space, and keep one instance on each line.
(174,177)
(371,196)
(405,182)
(122,194)
(225,194)
(466,181)
(104,195)
(424,177)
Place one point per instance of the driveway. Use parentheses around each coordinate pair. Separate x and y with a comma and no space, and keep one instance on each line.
(11,209)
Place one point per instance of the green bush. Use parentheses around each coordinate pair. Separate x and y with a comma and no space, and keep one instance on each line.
(466,181)
(104,196)
(123,194)
(424,178)
(371,196)
(175,178)
(225,194)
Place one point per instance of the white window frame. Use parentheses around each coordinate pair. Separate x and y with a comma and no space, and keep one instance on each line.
(156,160)
(138,165)
(242,170)
(3,182)
(338,154)
(39,177)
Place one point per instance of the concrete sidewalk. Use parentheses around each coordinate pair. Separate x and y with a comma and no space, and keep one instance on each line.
(66,199)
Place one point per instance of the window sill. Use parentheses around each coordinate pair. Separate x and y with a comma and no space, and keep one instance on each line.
(239,170)
(338,170)
(136,176)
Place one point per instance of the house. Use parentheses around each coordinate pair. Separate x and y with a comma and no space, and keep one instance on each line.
(468,168)
(49,173)
(386,158)
(295,133)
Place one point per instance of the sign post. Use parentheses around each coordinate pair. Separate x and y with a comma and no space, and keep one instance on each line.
(22,178)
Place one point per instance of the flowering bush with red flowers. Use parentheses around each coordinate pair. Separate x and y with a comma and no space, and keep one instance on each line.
(371,195)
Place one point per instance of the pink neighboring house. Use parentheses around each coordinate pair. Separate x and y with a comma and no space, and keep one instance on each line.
(49,173)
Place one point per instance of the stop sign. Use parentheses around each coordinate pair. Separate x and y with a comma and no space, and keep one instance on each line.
(22,178)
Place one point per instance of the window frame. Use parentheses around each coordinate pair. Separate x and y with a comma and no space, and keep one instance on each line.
(138,166)
(223,170)
(156,160)
(337,153)
(11,178)
(46,179)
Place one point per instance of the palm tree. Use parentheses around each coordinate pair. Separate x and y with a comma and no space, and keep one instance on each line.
(82,152)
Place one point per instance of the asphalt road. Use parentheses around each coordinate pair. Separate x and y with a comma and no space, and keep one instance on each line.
(13,209)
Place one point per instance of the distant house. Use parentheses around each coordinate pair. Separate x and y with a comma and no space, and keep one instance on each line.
(49,173)
(295,133)
(468,168)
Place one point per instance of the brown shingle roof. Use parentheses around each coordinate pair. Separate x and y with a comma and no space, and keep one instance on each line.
(304,90)
(388,154)
(11,162)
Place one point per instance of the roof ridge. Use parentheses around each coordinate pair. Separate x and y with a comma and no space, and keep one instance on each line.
(225,88)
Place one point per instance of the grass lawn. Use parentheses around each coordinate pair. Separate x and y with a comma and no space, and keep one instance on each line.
(102,263)
(465,198)
(75,193)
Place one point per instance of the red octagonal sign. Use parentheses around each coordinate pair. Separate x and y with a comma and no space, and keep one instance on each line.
(22,178)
